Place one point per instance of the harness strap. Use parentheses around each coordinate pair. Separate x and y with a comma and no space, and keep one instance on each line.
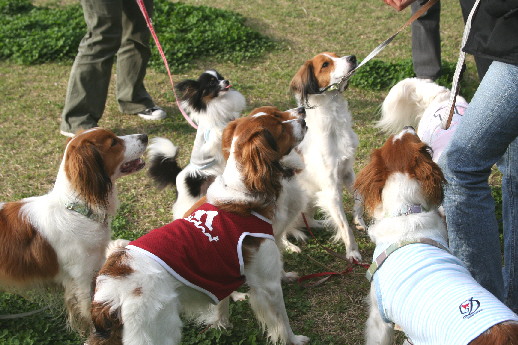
(376,264)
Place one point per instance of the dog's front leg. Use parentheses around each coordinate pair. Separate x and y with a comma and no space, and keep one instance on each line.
(263,275)
(377,331)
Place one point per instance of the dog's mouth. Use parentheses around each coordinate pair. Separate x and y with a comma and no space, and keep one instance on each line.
(132,166)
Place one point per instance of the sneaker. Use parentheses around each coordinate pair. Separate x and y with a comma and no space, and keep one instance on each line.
(67,134)
(154,113)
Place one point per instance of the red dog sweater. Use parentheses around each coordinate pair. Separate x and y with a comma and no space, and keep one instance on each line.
(204,250)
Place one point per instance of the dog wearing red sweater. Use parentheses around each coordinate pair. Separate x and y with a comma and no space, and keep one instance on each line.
(183,267)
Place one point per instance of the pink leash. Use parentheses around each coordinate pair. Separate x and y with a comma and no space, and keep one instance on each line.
(157,42)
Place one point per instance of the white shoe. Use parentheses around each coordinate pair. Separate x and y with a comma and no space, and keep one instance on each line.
(67,134)
(154,113)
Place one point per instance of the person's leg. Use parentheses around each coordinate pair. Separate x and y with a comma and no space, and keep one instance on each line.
(91,72)
(426,42)
(132,59)
(508,167)
(489,126)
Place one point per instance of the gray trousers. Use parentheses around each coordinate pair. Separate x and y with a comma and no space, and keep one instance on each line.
(114,28)
(426,41)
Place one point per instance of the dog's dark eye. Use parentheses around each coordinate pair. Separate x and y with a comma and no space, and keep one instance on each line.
(213,82)
(325,64)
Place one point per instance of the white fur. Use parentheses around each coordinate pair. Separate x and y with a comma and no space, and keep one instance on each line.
(407,101)
(78,241)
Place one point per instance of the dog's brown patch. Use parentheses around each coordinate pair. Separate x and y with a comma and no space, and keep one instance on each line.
(505,333)
(107,325)
(25,255)
(250,246)
(138,291)
(116,265)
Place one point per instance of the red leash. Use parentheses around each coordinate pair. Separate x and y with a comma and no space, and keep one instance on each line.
(326,275)
(161,51)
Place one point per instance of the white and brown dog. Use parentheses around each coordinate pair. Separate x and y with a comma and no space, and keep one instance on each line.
(60,238)
(416,283)
(422,104)
(144,287)
(329,148)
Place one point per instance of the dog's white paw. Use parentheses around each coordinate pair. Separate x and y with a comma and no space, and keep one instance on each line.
(299,340)
(359,223)
(238,296)
(289,276)
(290,247)
(353,255)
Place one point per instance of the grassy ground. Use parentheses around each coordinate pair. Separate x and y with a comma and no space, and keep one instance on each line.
(30,151)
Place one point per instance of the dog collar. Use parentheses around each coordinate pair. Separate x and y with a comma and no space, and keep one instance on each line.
(86,211)
(408,209)
(376,264)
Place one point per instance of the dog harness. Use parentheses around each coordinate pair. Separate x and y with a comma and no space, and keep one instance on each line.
(204,250)
(420,284)
(430,127)
(200,159)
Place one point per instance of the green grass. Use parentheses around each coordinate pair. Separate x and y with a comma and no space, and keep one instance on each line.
(31,150)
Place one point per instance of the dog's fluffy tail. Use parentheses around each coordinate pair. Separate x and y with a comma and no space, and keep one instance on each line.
(163,167)
(407,101)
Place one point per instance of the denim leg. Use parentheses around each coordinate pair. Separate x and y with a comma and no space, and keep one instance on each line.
(91,72)
(489,126)
(508,165)
(132,59)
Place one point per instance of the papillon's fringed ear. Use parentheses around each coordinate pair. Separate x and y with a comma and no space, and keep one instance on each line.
(430,176)
(259,161)
(305,83)
(371,180)
(187,88)
(86,172)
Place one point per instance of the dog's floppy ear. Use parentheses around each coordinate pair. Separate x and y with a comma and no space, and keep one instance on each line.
(305,83)
(227,137)
(187,87)
(86,172)
(429,175)
(258,157)
(371,180)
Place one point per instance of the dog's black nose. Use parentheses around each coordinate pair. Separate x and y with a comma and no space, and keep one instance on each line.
(301,111)
(351,58)
(143,138)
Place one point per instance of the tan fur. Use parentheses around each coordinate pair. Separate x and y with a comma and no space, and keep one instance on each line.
(26,256)
(91,160)
(505,333)
(389,159)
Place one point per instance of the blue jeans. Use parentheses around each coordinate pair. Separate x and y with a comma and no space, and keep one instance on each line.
(486,136)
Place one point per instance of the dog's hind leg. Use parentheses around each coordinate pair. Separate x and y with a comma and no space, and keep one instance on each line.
(263,275)
(330,201)
(377,331)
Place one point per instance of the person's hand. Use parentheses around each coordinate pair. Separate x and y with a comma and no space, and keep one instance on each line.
(398,4)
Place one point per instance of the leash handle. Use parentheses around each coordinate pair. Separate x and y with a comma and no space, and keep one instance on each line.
(161,51)
(459,69)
